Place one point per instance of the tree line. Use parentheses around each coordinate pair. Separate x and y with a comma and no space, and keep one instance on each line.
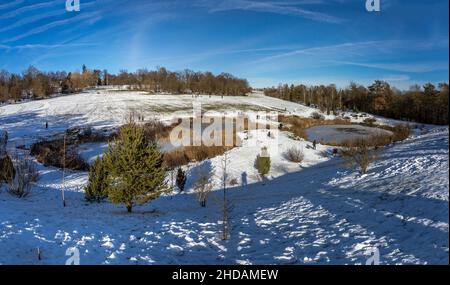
(427,104)
(36,84)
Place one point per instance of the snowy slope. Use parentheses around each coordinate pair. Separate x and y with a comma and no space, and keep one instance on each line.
(318,212)
(321,214)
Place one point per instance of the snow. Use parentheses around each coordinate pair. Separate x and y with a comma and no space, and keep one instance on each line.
(315,212)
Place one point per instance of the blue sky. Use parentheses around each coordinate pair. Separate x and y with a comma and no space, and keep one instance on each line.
(265,41)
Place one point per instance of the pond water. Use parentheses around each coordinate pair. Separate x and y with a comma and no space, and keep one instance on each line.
(341,133)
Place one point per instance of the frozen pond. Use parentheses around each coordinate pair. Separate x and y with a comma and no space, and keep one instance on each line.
(341,133)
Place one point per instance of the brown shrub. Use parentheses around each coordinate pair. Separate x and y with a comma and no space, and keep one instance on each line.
(294,154)
(359,154)
(155,130)
(51,153)
(175,158)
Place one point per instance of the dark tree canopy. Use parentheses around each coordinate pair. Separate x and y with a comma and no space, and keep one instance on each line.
(427,104)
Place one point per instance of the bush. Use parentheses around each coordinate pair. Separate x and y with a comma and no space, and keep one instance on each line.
(97,188)
(370,121)
(359,154)
(136,169)
(51,153)
(262,164)
(294,155)
(317,116)
(234,182)
(25,175)
(401,132)
(175,158)
(155,130)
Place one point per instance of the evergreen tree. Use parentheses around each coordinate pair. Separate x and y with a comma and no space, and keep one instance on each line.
(262,163)
(181,179)
(96,189)
(136,170)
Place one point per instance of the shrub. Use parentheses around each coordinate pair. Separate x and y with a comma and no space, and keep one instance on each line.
(317,116)
(175,158)
(234,182)
(262,164)
(370,121)
(358,153)
(97,187)
(294,154)
(155,130)
(136,170)
(51,153)
(25,175)
(401,132)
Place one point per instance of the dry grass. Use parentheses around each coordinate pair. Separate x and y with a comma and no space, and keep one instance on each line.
(184,155)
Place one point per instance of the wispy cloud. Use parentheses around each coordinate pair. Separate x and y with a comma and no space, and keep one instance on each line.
(338,53)
(417,67)
(32,19)
(285,8)
(41,29)
(10,4)
(38,17)
(43,46)
(29,8)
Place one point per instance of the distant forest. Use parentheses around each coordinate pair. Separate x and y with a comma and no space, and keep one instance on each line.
(427,104)
(36,84)
(423,104)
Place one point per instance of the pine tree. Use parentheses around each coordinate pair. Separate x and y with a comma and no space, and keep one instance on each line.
(181,179)
(136,170)
(96,189)
(263,162)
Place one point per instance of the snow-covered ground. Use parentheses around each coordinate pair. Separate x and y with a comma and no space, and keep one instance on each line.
(316,212)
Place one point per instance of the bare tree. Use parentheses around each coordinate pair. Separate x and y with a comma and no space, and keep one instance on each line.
(26,174)
(359,153)
(224,204)
(203,187)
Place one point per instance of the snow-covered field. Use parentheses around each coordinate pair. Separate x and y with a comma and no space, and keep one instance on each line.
(318,212)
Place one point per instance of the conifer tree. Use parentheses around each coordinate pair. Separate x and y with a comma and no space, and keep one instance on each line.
(263,163)
(181,179)
(96,189)
(136,170)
